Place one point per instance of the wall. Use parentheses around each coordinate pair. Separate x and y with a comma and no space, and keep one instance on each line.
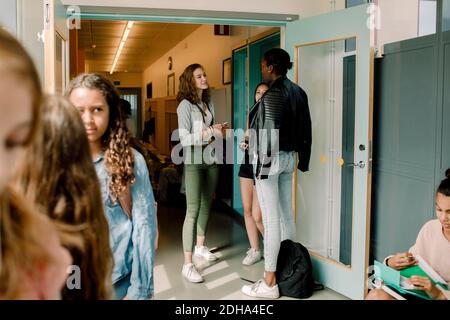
(127,79)
(202,47)
(399,20)
(30,22)
(8,15)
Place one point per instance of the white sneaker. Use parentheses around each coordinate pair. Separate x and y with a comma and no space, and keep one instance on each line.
(190,273)
(261,290)
(204,253)
(252,257)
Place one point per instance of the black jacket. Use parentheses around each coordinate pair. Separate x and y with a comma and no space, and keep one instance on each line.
(284,106)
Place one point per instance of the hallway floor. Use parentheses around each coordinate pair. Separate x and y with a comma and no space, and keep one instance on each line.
(227,238)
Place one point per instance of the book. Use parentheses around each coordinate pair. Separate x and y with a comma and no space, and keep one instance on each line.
(398,279)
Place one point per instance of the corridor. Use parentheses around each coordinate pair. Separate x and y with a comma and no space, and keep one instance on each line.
(227,238)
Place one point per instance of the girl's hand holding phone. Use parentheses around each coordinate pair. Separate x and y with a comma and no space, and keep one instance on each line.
(243,145)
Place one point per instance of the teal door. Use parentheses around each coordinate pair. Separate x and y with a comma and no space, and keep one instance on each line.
(334,226)
(246,76)
(257,50)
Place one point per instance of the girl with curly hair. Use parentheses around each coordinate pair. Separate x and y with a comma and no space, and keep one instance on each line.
(33,263)
(59,176)
(196,130)
(126,190)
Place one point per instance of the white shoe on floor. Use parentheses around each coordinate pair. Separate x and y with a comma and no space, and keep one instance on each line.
(252,257)
(204,253)
(261,290)
(190,273)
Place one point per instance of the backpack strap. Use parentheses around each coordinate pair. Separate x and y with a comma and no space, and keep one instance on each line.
(251,281)
(318,287)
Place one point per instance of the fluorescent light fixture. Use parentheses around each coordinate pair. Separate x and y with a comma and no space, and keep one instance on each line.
(125,35)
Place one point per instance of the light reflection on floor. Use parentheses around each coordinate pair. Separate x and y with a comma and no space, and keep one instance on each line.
(224,277)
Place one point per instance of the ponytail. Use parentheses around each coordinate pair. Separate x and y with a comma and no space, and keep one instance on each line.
(444,187)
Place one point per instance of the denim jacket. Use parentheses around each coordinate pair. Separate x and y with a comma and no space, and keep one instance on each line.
(132,242)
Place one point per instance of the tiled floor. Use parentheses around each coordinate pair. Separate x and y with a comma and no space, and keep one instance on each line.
(223,278)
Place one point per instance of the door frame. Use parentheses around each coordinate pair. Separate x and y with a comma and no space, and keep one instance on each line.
(185,16)
(255,19)
(247,46)
(55,25)
(138,92)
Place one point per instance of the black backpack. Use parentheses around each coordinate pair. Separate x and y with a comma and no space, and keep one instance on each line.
(294,271)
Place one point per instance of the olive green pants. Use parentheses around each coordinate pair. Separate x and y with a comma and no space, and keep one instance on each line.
(200,183)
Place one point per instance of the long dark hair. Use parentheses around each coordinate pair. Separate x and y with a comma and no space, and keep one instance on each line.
(256,89)
(444,186)
(59,176)
(23,229)
(119,159)
(188,90)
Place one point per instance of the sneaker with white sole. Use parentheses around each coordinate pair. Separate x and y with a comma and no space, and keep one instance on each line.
(261,290)
(252,257)
(190,273)
(204,253)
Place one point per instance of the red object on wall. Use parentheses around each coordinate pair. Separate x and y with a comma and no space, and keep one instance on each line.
(222,30)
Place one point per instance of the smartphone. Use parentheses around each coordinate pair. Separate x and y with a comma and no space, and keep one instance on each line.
(243,146)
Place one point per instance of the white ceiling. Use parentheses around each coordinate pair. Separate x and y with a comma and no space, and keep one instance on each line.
(147,42)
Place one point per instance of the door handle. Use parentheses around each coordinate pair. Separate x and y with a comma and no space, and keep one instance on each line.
(360,165)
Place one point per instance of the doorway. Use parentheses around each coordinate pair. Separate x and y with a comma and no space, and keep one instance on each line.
(246,76)
(133,96)
(297,35)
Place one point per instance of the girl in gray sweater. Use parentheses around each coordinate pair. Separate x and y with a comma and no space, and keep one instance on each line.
(197,130)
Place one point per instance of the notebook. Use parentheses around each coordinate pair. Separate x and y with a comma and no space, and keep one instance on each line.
(399,279)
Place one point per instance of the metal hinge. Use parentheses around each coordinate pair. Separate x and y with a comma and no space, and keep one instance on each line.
(47,14)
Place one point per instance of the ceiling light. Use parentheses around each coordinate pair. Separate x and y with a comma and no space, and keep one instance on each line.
(125,35)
